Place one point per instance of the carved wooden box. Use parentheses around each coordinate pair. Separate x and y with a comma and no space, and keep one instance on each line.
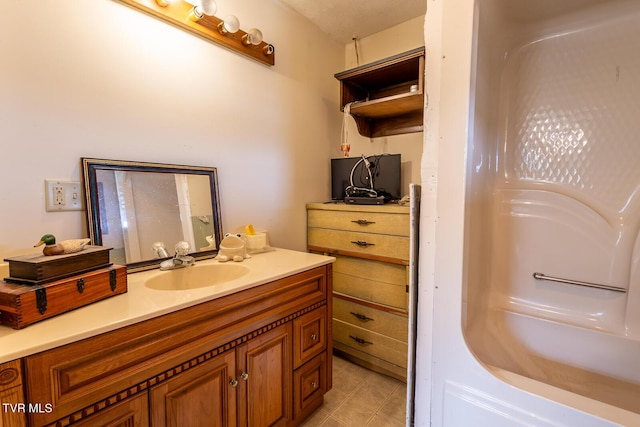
(36,269)
(22,305)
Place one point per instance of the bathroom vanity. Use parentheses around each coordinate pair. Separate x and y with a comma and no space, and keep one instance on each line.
(254,349)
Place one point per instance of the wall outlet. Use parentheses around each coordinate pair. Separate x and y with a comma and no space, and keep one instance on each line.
(63,195)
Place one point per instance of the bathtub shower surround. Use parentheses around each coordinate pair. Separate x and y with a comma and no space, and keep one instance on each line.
(552,187)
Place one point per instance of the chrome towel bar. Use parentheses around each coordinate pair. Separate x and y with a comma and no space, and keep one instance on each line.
(541,276)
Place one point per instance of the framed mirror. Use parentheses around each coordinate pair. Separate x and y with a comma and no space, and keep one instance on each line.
(135,208)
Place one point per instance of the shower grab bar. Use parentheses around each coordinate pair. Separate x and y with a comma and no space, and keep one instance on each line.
(541,276)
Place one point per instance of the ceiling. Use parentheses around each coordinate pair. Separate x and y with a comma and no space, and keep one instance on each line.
(343,19)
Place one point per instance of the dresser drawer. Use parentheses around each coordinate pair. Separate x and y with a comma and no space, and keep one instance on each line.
(382,322)
(369,244)
(370,280)
(366,222)
(364,340)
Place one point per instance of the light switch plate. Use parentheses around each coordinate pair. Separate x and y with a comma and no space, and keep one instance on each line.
(63,195)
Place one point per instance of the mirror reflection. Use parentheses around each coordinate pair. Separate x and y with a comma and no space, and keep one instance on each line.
(139,209)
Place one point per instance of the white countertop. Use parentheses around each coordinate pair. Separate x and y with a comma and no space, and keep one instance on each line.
(141,303)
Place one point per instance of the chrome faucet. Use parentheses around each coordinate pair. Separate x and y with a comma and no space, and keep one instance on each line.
(180,259)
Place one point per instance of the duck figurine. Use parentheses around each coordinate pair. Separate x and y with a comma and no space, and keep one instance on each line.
(62,248)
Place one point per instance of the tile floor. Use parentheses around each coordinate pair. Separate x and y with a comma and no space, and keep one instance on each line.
(360,397)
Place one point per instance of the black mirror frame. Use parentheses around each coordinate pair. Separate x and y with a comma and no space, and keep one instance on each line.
(89,168)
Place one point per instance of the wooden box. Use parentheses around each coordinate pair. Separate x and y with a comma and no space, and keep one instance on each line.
(22,305)
(37,269)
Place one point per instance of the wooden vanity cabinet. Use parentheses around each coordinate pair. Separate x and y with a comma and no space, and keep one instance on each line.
(226,362)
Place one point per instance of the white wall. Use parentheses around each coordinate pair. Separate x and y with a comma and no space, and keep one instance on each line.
(99,79)
(392,41)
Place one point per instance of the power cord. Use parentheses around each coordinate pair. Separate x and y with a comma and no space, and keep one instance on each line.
(353,190)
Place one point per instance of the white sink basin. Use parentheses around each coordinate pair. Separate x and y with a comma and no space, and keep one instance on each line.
(196,276)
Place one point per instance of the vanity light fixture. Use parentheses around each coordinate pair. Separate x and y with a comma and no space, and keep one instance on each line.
(204,7)
(197,17)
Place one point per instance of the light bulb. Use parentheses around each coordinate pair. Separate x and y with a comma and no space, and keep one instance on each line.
(253,36)
(229,25)
(204,7)
(208,7)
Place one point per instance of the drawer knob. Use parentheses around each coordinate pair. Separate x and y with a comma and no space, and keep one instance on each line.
(362,243)
(233,383)
(244,376)
(363,222)
(360,340)
(361,317)
(314,384)
(314,337)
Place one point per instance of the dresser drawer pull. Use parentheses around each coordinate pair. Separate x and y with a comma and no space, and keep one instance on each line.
(362,243)
(363,222)
(314,337)
(314,384)
(361,316)
(360,340)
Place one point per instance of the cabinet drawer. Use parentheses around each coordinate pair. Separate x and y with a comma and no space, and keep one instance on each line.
(366,222)
(364,340)
(131,412)
(309,385)
(373,281)
(378,321)
(309,336)
(380,245)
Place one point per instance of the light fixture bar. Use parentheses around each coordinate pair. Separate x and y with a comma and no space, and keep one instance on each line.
(207,27)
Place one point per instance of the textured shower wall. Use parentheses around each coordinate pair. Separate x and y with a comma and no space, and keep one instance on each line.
(574,115)
(565,200)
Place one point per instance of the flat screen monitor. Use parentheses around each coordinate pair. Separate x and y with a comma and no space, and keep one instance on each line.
(385,171)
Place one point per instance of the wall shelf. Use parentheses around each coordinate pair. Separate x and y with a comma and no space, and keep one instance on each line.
(386,96)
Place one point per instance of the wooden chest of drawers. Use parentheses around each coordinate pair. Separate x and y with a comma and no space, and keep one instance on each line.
(370,280)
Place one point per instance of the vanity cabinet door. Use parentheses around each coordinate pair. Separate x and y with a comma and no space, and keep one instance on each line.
(204,395)
(265,368)
(131,412)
